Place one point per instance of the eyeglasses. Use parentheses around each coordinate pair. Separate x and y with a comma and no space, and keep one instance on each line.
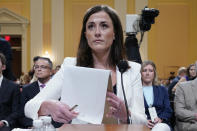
(43,67)
(192,69)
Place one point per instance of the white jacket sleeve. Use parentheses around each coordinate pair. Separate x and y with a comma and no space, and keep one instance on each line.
(52,91)
(134,92)
(136,107)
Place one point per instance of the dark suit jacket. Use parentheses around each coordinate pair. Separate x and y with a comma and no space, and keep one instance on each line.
(5,48)
(9,101)
(161,104)
(171,86)
(29,91)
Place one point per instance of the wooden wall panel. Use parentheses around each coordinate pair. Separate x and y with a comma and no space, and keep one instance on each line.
(14,6)
(46,26)
(193,32)
(21,7)
(131,6)
(170,39)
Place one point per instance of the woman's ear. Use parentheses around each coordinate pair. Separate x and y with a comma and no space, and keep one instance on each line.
(51,72)
(3,67)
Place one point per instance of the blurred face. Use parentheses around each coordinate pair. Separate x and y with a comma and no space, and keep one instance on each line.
(2,67)
(100,32)
(192,71)
(42,69)
(147,75)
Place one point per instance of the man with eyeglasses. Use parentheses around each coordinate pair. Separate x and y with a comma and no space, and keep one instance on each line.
(43,71)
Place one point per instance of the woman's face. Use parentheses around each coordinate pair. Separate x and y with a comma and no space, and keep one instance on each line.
(148,74)
(192,71)
(100,32)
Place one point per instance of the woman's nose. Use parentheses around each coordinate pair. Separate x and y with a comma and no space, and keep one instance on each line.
(147,73)
(97,32)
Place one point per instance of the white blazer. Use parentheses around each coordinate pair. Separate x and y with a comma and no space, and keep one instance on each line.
(131,81)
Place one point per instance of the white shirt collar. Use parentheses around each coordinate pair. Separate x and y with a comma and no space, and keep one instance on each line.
(1,79)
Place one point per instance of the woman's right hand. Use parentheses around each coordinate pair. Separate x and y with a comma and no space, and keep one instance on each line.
(59,111)
(150,124)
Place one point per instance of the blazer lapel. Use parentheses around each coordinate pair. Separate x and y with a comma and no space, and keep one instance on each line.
(155,94)
(4,87)
(3,84)
(35,88)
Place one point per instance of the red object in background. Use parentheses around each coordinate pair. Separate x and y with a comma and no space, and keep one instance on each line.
(7,37)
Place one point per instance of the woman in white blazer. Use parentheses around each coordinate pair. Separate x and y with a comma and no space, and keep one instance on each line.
(100,46)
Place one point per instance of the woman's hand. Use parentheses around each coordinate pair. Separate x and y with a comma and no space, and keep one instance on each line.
(59,111)
(151,124)
(117,107)
(1,124)
(157,120)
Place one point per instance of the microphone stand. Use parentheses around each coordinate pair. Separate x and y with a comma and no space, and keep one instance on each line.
(125,100)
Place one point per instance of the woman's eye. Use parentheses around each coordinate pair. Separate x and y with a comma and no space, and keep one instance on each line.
(91,26)
(144,70)
(104,26)
(150,70)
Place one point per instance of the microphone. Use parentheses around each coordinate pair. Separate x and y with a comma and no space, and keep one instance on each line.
(123,66)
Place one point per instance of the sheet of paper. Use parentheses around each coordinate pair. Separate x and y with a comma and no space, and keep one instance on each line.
(86,87)
(153,113)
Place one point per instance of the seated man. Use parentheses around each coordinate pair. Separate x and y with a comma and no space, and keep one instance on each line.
(9,99)
(43,71)
(186,105)
(182,71)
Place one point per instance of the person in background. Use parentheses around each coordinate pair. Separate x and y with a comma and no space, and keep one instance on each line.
(32,70)
(43,71)
(5,49)
(100,47)
(24,79)
(9,99)
(180,77)
(57,68)
(191,72)
(29,77)
(185,105)
(170,78)
(155,97)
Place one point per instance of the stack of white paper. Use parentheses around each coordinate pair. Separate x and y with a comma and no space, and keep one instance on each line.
(86,87)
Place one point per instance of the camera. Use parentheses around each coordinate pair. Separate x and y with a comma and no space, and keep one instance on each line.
(147,18)
(138,23)
(141,23)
